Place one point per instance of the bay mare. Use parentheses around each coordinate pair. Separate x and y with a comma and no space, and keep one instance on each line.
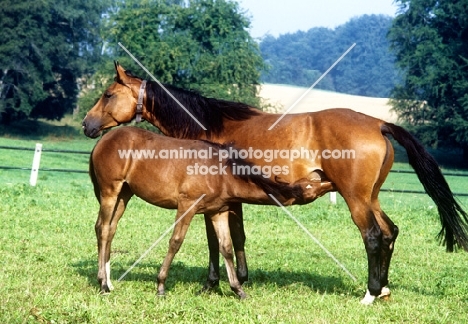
(357,177)
(117,174)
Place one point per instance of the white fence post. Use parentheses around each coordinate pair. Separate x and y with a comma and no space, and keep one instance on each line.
(333,197)
(35,164)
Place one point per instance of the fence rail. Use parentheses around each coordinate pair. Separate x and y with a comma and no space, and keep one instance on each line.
(17,148)
(452,174)
(43,150)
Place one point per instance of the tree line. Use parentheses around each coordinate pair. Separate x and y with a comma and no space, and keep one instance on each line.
(55,55)
(51,50)
(300,58)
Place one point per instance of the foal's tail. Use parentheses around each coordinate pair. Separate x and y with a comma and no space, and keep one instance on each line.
(453,218)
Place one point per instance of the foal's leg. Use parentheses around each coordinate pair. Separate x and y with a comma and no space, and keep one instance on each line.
(236,226)
(112,207)
(221,226)
(177,238)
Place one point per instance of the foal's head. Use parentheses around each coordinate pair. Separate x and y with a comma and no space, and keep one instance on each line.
(117,105)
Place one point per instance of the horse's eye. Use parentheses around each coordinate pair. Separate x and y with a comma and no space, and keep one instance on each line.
(107,95)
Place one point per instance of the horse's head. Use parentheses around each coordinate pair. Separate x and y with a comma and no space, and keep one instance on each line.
(117,104)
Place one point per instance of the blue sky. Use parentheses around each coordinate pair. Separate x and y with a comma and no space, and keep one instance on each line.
(289,16)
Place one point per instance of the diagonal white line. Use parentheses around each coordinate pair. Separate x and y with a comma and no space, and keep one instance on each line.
(313,238)
(162,86)
(160,238)
(312,86)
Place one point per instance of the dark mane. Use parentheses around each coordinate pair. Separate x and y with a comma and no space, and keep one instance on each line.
(209,112)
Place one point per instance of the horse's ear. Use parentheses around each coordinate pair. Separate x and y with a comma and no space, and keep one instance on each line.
(121,75)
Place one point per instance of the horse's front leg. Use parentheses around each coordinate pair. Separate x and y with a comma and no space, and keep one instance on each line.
(213,247)
(102,234)
(221,226)
(105,230)
(110,212)
(177,238)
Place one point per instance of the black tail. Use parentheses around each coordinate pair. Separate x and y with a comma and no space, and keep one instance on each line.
(453,218)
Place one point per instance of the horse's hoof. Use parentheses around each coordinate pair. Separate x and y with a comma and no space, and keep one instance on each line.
(368,299)
(385,298)
(110,286)
(385,293)
(242,279)
(104,290)
(242,295)
(209,285)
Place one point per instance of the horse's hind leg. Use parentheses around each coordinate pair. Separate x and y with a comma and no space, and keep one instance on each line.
(221,226)
(236,227)
(177,238)
(371,233)
(112,207)
(388,228)
(389,235)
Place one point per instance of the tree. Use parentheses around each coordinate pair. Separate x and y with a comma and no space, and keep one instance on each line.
(46,46)
(300,58)
(369,69)
(430,40)
(201,45)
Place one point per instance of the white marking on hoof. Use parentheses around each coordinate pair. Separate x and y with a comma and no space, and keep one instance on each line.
(308,186)
(109,283)
(384,293)
(368,298)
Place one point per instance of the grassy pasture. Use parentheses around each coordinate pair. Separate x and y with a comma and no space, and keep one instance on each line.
(48,257)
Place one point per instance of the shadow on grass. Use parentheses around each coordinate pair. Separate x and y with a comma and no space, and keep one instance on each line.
(180,272)
(36,129)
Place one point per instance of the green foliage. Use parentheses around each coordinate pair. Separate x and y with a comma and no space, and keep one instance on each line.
(430,41)
(201,45)
(46,46)
(300,58)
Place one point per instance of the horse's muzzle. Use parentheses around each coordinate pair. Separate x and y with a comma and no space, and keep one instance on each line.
(90,130)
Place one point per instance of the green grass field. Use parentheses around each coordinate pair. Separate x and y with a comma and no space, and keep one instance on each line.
(49,260)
